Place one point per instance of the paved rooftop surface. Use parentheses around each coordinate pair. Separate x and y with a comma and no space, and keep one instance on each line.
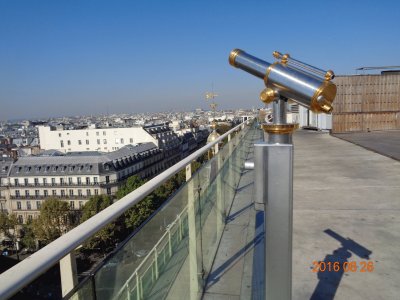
(383,142)
(346,208)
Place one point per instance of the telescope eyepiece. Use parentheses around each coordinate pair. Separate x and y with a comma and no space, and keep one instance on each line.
(232,56)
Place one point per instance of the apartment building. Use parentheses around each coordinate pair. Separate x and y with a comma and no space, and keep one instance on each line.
(104,139)
(75,176)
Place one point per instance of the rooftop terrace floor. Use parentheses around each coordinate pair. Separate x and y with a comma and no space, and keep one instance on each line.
(346,208)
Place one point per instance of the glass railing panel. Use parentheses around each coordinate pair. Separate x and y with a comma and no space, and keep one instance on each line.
(115,273)
(86,291)
(171,255)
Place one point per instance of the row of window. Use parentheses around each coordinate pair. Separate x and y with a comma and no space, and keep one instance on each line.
(54,168)
(87,133)
(87,142)
(61,181)
(54,193)
(39,205)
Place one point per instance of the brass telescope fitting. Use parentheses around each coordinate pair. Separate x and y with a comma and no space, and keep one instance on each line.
(291,79)
(232,56)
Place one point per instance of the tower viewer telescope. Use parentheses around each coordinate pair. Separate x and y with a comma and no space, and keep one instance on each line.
(289,78)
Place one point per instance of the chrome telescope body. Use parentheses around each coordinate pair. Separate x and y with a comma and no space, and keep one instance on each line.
(291,79)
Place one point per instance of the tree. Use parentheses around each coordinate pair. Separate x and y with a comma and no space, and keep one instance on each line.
(28,238)
(130,185)
(9,227)
(104,238)
(142,210)
(53,220)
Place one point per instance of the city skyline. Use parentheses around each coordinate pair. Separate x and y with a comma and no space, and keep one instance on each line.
(81,58)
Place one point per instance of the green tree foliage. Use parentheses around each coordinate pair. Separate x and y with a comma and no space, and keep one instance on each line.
(9,226)
(104,238)
(53,220)
(28,237)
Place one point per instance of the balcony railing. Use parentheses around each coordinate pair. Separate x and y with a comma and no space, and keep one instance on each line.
(172,253)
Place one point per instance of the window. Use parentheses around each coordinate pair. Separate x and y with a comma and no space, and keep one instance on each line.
(104,133)
(108,191)
(80,193)
(19,206)
(68,142)
(16,182)
(104,141)
(69,180)
(28,205)
(17,194)
(97,133)
(87,133)
(98,141)
(72,204)
(107,179)
(122,141)
(54,192)
(62,144)
(36,193)
(95,180)
(79,180)
(44,181)
(53,181)
(38,205)
(71,193)
(87,142)
(30,218)
(131,140)
(36,180)
(59,135)
(62,193)
(61,181)
(26,193)
(96,191)
(87,180)
(79,142)
(46,193)
(26,181)
(20,219)
(80,204)
(88,192)
(116,141)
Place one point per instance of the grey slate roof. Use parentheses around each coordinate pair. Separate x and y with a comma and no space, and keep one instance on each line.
(5,166)
(81,163)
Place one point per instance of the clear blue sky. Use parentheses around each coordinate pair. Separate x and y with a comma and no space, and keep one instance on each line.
(81,57)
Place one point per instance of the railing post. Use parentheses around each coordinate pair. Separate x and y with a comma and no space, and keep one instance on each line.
(137,287)
(156,262)
(219,198)
(193,266)
(69,278)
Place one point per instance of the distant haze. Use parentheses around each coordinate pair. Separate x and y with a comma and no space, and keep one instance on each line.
(93,57)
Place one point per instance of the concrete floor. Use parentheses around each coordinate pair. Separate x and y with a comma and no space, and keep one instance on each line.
(346,208)
(383,142)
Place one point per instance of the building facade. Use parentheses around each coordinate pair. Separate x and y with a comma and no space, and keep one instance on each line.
(75,177)
(92,138)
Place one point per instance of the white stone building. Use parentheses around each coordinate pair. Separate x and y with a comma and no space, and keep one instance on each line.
(92,139)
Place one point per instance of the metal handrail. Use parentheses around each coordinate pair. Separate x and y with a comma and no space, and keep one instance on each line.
(33,266)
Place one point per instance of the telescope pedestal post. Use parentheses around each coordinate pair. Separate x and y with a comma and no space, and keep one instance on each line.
(273,161)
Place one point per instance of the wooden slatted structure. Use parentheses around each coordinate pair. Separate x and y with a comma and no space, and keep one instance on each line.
(366,103)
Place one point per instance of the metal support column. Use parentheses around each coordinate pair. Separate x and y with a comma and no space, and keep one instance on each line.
(274,187)
(193,265)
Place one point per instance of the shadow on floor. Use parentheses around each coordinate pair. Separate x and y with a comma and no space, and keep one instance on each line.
(330,276)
